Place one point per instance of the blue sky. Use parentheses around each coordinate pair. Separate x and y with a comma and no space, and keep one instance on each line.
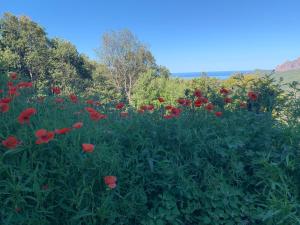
(184,35)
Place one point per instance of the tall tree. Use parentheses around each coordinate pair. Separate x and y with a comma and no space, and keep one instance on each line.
(23,46)
(126,59)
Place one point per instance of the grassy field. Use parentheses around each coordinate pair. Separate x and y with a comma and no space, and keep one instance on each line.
(230,159)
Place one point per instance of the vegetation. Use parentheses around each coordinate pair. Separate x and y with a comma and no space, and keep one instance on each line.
(121,142)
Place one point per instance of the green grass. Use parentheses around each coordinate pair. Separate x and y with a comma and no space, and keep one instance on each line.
(241,168)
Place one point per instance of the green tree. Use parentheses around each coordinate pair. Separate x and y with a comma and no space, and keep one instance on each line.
(126,59)
(23,46)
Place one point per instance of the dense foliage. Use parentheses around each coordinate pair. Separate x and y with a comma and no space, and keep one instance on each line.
(217,156)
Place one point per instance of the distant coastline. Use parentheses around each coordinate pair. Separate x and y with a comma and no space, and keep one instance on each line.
(214,74)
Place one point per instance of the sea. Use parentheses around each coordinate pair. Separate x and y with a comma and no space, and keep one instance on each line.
(214,74)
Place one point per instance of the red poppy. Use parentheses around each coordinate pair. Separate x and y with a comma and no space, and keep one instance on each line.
(175,111)
(160,99)
(24,116)
(59,100)
(198,93)
(13,75)
(198,103)
(11,142)
(120,105)
(1,91)
(97,116)
(56,90)
(10,84)
(24,84)
(88,148)
(62,131)
(4,107)
(77,125)
(209,107)
(90,101)
(184,102)
(110,181)
(43,136)
(169,107)
(73,98)
(227,100)
(218,114)
(252,95)
(224,91)
(203,99)
(13,90)
(124,114)
(5,100)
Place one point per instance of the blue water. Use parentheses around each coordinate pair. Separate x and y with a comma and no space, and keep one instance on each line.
(214,74)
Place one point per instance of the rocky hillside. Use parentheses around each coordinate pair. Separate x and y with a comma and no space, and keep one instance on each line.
(289,65)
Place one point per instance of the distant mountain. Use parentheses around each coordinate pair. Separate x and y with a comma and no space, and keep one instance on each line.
(289,65)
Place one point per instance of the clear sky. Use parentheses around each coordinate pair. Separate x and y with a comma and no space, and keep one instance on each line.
(184,35)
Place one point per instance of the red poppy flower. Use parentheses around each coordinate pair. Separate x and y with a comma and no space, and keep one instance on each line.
(218,114)
(1,91)
(169,107)
(10,84)
(24,85)
(59,100)
(62,131)
(56,90)
(77,125)
(184,102)
(43,136)
(11,142)
(88,148)
(110,181)
(197,93)
(13,90)
(198,103)
(90,101)
(203,99)
(124,114)
(224,91)
(209,107)
(227,100)
(24,116)
(175,111)
(4,107)
(13,75)
(160,99)
(97,116)
(252,95)
(5,100)
(73,98)
(120,105)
